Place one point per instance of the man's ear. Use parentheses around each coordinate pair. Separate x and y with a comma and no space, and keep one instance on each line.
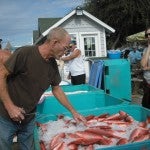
(54,42)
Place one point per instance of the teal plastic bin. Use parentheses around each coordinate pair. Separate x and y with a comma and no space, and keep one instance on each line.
(88,101)
(117,78)
(76,88)
(137,112)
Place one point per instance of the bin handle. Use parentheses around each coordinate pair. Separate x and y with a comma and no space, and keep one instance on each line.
(107,91)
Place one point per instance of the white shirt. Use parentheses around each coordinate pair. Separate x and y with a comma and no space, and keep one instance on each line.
(76,65)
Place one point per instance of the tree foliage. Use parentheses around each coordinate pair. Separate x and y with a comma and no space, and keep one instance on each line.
(125,16)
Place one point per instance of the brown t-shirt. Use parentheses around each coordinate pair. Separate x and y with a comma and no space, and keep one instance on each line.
(30,76)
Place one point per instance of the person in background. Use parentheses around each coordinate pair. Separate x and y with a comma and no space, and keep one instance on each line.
(75,65)
(145,64)
(24,77)
(126,54)
(135,55)
(0,43)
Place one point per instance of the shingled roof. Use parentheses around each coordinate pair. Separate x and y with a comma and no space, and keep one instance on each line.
(35,35)
(43,25)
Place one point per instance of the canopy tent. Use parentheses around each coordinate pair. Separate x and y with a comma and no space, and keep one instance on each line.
(138,37)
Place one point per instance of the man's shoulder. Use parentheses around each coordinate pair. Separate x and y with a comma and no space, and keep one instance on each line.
(131,52)
(138,52)
(26,49)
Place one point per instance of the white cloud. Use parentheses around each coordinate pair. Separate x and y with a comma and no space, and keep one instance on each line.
(19,18)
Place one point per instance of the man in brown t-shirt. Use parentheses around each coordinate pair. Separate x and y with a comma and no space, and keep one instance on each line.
(28,72)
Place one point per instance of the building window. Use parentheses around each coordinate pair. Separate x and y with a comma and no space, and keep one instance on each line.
(89,46)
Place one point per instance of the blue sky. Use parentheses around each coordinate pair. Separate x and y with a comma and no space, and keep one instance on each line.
(18,18)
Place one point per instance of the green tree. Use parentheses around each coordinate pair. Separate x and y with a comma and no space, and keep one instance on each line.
(125,16)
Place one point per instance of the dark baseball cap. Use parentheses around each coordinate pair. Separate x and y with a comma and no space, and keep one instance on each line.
(73,42)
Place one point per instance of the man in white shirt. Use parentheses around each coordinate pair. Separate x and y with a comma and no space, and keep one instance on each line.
(75,64)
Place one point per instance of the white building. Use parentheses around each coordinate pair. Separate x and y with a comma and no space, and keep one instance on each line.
(88,31)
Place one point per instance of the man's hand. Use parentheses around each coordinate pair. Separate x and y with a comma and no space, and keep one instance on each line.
(146,68)
(79,118)
(16,113)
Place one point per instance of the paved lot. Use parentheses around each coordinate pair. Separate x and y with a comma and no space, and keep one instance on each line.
(15,146)
(137,99)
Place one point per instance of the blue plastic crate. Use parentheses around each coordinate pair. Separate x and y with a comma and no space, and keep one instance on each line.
(137,112)
(114,54)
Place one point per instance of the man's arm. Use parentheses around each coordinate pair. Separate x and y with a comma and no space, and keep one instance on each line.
(144,61)
(14,112)
(4,55)
(60,95)
(73,55)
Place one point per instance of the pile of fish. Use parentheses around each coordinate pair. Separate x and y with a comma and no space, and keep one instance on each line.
(99,132)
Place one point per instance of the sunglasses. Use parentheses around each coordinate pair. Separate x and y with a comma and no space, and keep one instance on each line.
(147,34)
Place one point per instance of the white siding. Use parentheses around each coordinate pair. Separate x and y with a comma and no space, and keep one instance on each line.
(81,25)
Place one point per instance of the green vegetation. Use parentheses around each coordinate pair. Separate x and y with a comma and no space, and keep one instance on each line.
(125,16)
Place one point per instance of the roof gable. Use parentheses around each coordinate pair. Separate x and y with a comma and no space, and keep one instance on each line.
(46,24)
(107,27)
